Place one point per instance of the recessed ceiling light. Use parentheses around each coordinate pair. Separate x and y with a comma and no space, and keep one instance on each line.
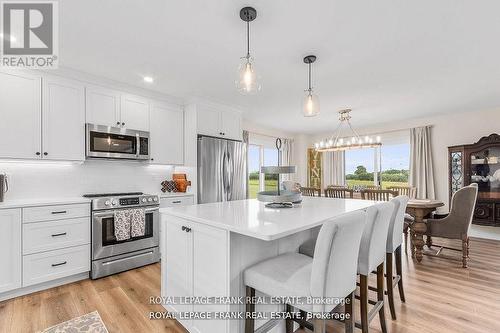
(148,79)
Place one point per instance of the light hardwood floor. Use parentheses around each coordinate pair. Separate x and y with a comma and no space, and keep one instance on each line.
(440,297)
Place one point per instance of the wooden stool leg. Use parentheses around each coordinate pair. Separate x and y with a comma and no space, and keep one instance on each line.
(250,307)
(319,326)
(390,290)
(363,300)
(289,321)
(405,232)
(380,296)
(349,323)
(399,271)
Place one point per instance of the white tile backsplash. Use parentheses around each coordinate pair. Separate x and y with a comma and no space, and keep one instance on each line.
(38,179)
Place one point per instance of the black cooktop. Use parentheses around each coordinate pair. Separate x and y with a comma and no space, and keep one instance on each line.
(99,195)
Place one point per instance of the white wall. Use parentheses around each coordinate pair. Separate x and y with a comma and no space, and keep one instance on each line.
(31,180)
(448,130)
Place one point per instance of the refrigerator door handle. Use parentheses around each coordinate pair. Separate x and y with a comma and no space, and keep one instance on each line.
(225,179)
(230,176)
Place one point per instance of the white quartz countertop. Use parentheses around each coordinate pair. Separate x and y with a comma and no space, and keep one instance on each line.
(174,194)
(20,203)
(251,217)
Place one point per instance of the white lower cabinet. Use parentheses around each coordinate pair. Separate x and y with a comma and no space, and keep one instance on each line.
(192,262)
(172,202)
(51,265)
(42,244)
(10,249)
(53,235)
(176,201)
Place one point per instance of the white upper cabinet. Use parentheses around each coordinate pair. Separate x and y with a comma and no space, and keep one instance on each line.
(166,134)
(102,106)
(63,119)
(20,112)
(10,249)
(208,122)
(214,122)
(231,125)
(134,112)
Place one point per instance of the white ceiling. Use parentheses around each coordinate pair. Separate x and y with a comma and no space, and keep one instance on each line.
(386,59)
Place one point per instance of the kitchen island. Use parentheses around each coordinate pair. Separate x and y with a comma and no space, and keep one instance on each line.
(208,247)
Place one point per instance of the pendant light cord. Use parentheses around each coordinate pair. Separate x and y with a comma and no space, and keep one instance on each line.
(248,39)
(310,78)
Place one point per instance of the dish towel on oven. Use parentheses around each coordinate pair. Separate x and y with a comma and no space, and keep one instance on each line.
(138,222)
(122,224)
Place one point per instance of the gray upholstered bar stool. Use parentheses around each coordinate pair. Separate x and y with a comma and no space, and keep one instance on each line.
(371,256)
(394,241)
(330,274)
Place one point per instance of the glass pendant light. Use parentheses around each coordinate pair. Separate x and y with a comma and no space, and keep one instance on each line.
(311,101)
(247,82)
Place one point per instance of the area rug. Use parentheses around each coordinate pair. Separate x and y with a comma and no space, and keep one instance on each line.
(89,323)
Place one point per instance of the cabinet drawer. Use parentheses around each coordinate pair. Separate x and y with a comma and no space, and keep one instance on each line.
(46,266)
(59,212)
(53,235)
(178,201)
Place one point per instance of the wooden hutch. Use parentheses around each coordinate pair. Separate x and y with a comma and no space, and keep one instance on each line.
(478,163)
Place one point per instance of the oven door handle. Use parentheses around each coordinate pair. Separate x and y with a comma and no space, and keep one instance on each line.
(111,213)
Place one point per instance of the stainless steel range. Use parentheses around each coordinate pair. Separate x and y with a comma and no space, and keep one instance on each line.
(110,256)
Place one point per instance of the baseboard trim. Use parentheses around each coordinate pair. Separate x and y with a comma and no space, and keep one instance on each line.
(43,286)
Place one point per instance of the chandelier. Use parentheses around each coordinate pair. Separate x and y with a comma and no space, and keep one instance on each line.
(337,143)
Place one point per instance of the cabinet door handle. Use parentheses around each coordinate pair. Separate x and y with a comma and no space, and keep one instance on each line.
(123,124)
(183,228)
(37,153)
(60,212)
(61,234)
(176,201)
(188,229)
(60,264)
(45,153)
(118,123)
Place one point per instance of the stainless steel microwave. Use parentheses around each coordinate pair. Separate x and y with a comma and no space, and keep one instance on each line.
(116,143)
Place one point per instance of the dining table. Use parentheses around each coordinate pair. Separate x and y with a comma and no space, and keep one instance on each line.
(419,209)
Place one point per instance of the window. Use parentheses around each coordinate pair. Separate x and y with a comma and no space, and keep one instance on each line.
(395,165)
(386,166)
(260,155)
(360,167)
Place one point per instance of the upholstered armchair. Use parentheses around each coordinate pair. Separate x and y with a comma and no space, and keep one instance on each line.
(456,225)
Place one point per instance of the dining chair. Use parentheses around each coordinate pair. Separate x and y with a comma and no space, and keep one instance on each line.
(457,223)
(337,186)
(378,195)
(393,252)
(330,275)
(409,191)
(338,192)
(310,191)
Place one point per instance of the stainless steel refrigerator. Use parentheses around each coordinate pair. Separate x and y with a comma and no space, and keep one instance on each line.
(222,170)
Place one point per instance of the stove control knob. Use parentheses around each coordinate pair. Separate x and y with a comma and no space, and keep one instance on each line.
(155,199)
(144,199)
(114,202)
(150,199)
(107,203)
